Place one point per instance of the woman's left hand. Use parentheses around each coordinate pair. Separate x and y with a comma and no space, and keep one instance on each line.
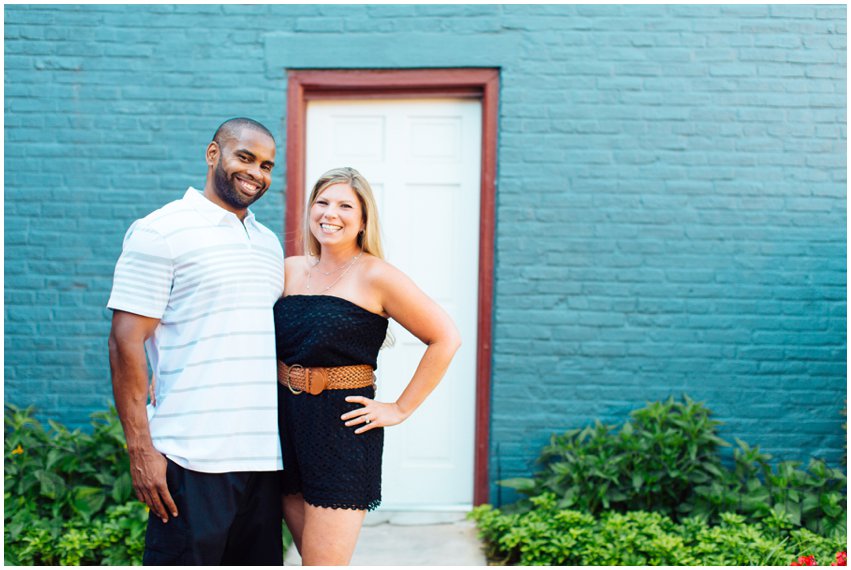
(372,415)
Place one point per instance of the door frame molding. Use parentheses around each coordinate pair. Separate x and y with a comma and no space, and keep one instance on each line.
(474,83)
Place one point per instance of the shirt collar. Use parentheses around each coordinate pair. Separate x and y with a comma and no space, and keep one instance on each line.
(212,212)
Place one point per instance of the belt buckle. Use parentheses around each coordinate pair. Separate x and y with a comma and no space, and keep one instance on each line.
(289,371)
(316,380)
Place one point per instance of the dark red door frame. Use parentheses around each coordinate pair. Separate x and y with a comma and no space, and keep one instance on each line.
(482,84)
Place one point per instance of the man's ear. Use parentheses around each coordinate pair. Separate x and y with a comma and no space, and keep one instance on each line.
(213,153)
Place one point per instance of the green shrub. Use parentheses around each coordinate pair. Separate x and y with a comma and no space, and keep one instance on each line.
(665,459)
(68,494)
(548,535)
(806,543)
(655,492)
(783,496)
(116,539)
(653,462)
(69,473)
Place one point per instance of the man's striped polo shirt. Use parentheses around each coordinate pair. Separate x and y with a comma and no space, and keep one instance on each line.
(212,282)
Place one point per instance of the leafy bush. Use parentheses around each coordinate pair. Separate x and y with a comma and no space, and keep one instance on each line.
(656,492)
(68,494)
(548,535)
(71,473)
(653,462)
(665,459)
(116,539)
(783,496)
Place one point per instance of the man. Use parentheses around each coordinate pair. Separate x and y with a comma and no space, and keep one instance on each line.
(195,285)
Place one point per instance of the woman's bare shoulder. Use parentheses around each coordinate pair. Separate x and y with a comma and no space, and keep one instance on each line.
(381,273)
(375,266)
(295,271)
(295,263)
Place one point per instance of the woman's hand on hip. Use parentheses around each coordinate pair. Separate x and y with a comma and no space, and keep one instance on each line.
(372,415)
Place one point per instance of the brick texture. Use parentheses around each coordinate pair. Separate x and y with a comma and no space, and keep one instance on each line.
(670,207)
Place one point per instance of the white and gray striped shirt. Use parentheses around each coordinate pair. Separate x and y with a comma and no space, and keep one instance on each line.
(212,282)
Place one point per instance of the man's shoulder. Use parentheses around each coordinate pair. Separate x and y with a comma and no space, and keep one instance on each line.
(164,218)
(268,234)
(263,229)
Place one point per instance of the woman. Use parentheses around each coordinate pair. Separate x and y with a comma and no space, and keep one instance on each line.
(330,324)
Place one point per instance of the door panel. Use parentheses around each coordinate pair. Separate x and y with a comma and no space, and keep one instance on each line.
(422,159)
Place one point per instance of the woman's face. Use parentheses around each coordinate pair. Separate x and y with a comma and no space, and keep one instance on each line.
(336,216)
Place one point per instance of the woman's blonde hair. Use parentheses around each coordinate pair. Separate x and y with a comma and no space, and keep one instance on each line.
(370,238)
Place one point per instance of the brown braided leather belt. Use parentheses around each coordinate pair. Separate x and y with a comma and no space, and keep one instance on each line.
(314,380)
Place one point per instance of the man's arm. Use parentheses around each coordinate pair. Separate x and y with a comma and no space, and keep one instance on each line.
(130,387)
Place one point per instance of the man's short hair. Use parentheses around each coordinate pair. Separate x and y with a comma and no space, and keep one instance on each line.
(232,127)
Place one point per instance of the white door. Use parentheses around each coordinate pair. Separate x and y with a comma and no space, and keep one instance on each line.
(422,159)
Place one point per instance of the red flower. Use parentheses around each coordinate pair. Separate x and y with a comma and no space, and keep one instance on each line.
(841,559)
(805,561)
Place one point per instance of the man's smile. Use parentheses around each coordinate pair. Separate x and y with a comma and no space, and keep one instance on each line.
(247,185)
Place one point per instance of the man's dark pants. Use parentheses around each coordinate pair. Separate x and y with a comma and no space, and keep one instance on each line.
(223,519)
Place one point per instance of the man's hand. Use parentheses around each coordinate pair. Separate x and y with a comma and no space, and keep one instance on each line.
(148,468)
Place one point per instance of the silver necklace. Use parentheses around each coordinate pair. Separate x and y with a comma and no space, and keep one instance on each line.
(349,266)
(327,273)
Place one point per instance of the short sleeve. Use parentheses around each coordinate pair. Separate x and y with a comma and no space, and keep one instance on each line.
(143,275)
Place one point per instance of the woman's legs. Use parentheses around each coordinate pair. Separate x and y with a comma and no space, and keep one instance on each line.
(294,517)
(329,535)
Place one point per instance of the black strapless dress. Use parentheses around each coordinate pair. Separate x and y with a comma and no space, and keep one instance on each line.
(323,459)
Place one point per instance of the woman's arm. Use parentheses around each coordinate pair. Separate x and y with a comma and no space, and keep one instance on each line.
(406,303)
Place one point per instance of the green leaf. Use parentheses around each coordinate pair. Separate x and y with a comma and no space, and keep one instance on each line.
(52,485)
(105,479)
(832,511)
(123,488)
(57,427)
(53,456)
(519,483)
(87,500)
(810,503)
(793,510)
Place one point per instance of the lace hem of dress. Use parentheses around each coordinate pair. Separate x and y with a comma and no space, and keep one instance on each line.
(371,506)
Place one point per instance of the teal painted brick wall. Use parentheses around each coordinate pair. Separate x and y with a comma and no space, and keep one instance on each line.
(670,206)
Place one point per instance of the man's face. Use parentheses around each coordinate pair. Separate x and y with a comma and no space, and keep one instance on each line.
(243,172)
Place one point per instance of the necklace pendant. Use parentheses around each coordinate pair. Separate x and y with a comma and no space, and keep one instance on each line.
(347,267)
